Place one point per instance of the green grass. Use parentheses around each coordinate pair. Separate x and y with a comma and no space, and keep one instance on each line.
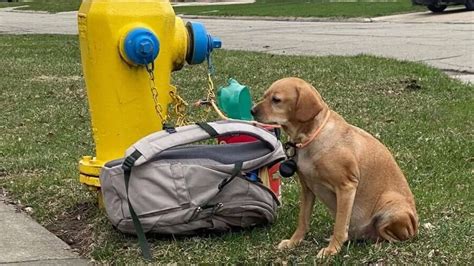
(47,5)
(9,4)
(277,8)
(421,114)
(303,8)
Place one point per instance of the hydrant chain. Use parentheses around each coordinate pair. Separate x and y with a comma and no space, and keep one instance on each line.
(180,106)
(154,92)
(210,90)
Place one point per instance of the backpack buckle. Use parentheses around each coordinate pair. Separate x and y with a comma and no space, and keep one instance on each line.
(169,128)
(130,160)
(128,163)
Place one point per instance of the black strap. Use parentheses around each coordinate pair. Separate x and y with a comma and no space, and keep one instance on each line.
(127,168)
(277,132)
(206,127)
(235,172)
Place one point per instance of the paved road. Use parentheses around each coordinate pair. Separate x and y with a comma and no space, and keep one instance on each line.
(446,46)
(455,14)
(444,41)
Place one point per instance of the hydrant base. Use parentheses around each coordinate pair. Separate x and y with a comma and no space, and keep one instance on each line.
(89,169)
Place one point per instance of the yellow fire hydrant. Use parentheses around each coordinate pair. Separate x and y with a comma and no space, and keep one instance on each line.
(123,45)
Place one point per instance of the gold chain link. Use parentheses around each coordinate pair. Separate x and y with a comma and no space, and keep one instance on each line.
(211,96)
(154,93)
(180,105)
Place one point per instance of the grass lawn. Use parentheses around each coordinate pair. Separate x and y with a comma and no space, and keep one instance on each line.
(422,115)
(47,5)
(277,8)
(304,8)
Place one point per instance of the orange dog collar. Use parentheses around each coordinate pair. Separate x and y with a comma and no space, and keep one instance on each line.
(315,133)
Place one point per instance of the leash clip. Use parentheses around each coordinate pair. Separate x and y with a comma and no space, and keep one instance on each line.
(290,149)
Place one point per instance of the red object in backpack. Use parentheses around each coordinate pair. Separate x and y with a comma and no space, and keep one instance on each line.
(269,176)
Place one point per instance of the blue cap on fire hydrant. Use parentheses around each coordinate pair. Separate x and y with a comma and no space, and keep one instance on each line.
(141,46)
(202,43)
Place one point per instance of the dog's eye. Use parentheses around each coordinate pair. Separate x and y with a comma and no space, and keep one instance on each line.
(275,99)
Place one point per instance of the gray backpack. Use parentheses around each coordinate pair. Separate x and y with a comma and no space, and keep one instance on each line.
(164,185)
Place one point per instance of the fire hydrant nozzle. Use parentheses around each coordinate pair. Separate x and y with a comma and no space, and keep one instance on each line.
(140,46)
(201,43)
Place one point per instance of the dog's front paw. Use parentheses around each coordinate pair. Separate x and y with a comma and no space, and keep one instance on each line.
(325,252)
(287,244)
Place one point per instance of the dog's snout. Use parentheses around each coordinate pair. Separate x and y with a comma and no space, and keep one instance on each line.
(253,111)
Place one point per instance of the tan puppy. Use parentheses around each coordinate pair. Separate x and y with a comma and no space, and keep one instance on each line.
(348,169)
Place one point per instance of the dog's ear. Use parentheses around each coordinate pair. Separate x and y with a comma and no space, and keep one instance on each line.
(308,103)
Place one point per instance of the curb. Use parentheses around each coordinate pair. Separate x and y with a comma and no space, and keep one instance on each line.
(17,10)
(219,3)
(287,19)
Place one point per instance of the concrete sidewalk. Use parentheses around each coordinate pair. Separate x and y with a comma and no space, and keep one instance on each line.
(24,242)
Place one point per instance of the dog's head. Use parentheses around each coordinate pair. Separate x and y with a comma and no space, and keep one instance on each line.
(288,101)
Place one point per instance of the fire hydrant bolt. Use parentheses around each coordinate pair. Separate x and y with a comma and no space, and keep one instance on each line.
(145,48)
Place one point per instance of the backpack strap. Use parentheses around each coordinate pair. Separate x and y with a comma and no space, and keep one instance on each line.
(235,172)
(206,127)
(155,143)
(142,241)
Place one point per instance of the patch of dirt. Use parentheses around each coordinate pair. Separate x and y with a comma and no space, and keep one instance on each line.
(74,227)
(6,200)
(56,78)
(400,86)
(411,84)
(3,174)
